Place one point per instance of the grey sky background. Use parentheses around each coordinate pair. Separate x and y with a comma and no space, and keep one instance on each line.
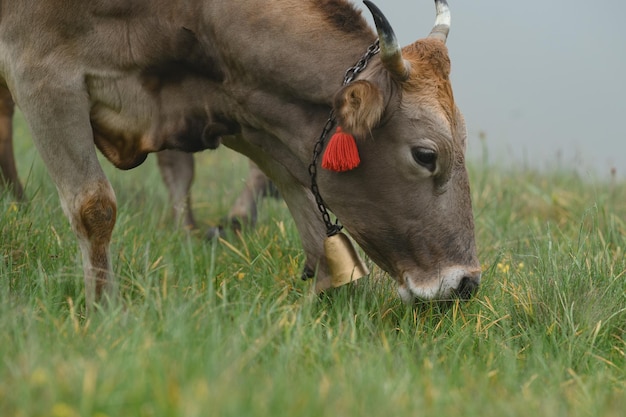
(544,80)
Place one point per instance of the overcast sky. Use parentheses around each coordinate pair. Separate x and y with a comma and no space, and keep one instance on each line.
(545,80)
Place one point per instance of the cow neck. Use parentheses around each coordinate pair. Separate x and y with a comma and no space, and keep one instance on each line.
(290,55)
(334,228)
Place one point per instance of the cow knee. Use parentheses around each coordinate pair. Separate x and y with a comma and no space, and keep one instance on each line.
(92,211)
(97,218)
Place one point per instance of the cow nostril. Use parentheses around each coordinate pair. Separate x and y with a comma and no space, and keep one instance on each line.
(467,288)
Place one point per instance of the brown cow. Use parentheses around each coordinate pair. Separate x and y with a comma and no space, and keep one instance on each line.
(140,76)
(176,168)
(177,171)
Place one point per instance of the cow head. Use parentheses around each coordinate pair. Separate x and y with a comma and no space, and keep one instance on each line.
(408,202)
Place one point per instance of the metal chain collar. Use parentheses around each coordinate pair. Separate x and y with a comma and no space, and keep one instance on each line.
(351,73)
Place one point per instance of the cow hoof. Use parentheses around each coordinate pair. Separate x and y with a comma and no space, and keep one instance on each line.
(214,232)
(226,226)
(235,224)
(307,273)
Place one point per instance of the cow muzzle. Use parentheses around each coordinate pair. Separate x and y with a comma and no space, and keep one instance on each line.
(450,283)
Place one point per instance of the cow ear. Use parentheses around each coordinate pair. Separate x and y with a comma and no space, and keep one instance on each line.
(359,107)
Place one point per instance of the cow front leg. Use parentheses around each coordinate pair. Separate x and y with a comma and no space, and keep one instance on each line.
(177,171)
(57,112)
(8,170)
(312,230)
(300,202)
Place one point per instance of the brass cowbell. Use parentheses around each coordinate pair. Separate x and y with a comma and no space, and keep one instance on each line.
(344,263)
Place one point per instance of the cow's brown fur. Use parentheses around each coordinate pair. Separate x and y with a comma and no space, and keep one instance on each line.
(430,71)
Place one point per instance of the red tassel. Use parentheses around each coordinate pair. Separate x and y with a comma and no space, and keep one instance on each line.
(341,154)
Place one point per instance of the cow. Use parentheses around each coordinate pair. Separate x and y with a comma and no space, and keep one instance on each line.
(177,172)
(262,78)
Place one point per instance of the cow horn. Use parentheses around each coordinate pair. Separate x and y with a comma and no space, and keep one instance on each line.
(442,21)
(390,52)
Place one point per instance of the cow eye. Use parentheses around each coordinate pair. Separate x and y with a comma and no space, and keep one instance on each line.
(425,157)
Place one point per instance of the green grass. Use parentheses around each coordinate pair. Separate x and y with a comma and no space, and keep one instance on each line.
(228,329)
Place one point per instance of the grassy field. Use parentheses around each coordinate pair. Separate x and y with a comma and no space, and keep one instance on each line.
(228,329)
